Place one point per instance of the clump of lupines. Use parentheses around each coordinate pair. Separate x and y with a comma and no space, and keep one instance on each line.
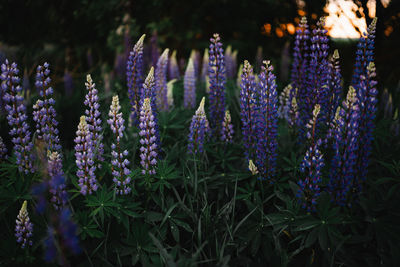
(93,119)
(198,130)
(367,97)
(345,147)
(227,128)
(216,74)
(311,166)
(173,68)
(189,84)
(57,180)
(148,138)
(3,150)
(134,76)
(267,123)
(204,69)
(335,85)
(119,163)
(85,158)
(44,113)
(161,81)
(16,116)
(24,227)
(248,109)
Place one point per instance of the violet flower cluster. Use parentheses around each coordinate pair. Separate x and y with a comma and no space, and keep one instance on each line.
(16,116)
(311,166)
(24,227)
(57,185)
(216,74)
(134,76)
(267,123)
(85,158)
(204,65)
(248,109)
(335,86)
(231,62)
(148,139)
(44,113)
(345,146)
(189,83)
(173,68)
(199,128)
(3,150)
(93,119)
(227,128)
(161,81)
(119,162)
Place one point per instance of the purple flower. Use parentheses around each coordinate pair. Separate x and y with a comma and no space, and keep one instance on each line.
(248,109)
(68,83)
(205,66)
(173,68)
(198,130)
(119,162)
(16,116)
(148,139)
(154,53)
(93,119)
(57,185)
(3,150)
(227,128)
(216,74)
(161,81)
(231,62)
(85,158)
(134,76)
(335,86)
(267,123)
(24,227)
(189,83)
(44,113)
(311,167)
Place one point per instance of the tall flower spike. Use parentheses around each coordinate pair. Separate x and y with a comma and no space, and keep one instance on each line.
(24,227)
(204,70)
(227,128)
(189,84)
(267,123)
(93,119)
(335,86)
(85,158)
(3,150)
(198,130)
(148,139)
(284,102)
(119,162)
(173,68)
(134,76)
(195,56)
(57,181)
(311,166)
(345,147)
(16,116)
(161,81)
(44,113)
(216,74)
(170,95)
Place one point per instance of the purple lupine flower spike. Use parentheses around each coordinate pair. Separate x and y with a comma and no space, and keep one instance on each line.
(24,227)
(248,102)
(119,162)
(57,180)
(311,166)
(198,130)
(227,128)
(189,83)
(267,123)
(44,113)
(16,116)
(148,139)
(93,119)
(217,85)
(345,146)
(3,150)
(173,68)
(161,81)
(85,158)
(134,76)
(335,86)
(204,70)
